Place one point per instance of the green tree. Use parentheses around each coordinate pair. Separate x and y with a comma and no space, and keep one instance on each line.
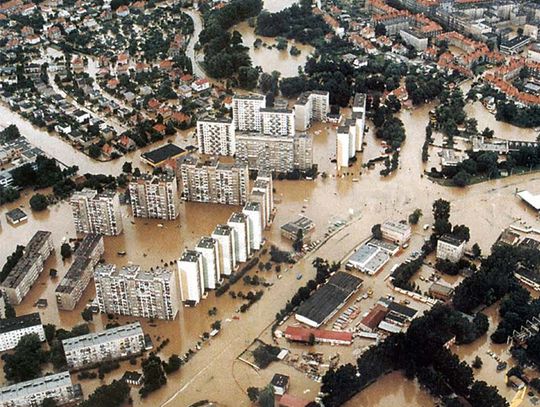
(477,252)
(49,402)
(461,179)
(87,314)
(65,251)
(415,216)
(94,151)
(25,363)
(477,363)
(10,311)
(253,393)
(153,375)
(376,231)
(299,241)
(127,167)
(173,364)
(39,202)
(110,395)
(266,397)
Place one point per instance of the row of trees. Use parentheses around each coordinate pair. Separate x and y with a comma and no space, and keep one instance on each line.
(436,368)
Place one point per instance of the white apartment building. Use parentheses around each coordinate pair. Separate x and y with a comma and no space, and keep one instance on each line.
(309,107)
(133,291)
(225,237)
(342,147)
(27,270)
(213,181)
(154,196)
(241,231)
(190,269)
(13,329)
(254,215)
(450,248)
(58,387)
(277,122)
(247,112)
(72,286)
(262,192)
(95,212)
(359,116)
(216,136)
(211,262)
(396,232)
(351,124)
(111,344)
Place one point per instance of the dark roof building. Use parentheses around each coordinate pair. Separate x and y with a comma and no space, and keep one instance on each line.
(24,321)
(160,155)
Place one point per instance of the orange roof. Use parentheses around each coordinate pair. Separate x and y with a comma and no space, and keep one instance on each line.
(159,127)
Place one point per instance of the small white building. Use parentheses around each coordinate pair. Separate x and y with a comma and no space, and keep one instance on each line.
(450,248)
(396,232)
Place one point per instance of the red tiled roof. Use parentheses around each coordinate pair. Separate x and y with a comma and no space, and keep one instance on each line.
(301,334)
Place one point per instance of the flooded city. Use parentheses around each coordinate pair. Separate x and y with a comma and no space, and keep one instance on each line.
(344,204)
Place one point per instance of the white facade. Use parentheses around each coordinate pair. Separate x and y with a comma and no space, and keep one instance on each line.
(210,254)
(190,268)
(225,237)
(342,147)
(247,112)
(277,122)
(154,196)
(95,212)
(241,231)
(216,137)
(112,344)
(13,329)
(253,212)
(450,248)
(263,192)
(396,232)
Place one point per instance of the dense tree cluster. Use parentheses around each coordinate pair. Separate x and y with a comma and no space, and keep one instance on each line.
(8,195)
(423,88)
(153,375)
(225,56)
(405,271)
(450,114)
(26,360)
(10,133)
(296,22)
(265,354)
(437,368)
(11,261)
(113,395)
(47,173)
(522,116)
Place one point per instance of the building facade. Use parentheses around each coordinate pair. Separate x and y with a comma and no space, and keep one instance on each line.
(190,270)
(95,212)
(211,262)
(58,387)
(225,237)
(13,329)
(247,112)
(309,107)
(154,196)
(216,137)
(240,227)
(133,291)
(449,248)
(277,122)
(27,270)
(213,181)
(253,212)
(396,232)
(111,344)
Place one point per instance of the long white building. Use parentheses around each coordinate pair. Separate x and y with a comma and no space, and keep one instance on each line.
(239,224)
(111,344)
(58,387)
(359,116)
(13,329)
(216,136)
(211,261)
(255,218)
(190,269)
(95,212)
(342,147)
(133,291)
(263,192)
(225,237)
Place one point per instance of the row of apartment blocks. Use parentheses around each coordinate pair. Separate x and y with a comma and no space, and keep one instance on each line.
(81,271)
(212,180)
(25,273)
(264,137)
(132,291)
(86,351)
(350,135)
(217,256)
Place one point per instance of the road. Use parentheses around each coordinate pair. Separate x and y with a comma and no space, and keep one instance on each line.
(190,51)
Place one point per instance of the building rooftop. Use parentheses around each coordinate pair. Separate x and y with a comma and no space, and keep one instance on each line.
(532,200)
(88,244)
(95,339)
(303,223)
(163,153)
(206,242)
(280,380)
(73,275)
(16,215)
(191,256)
(252,206)
(24,321)
(359,100)
(395,226)
(222,230)
(237,217)
(449,239)
(325,301)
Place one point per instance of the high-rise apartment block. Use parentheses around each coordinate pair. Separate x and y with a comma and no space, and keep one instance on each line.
(342,147)
(112,344)
(225,237)
(277,122)
(95,212)
(240,227)
(27,270)
(262,192)
(190,269)
(213,181)
(133,291)
(309,107)
(81,271)
(255,218)
(216,136)
(154,196)
(247,112)
(58,387)
(211,262)
(359,116)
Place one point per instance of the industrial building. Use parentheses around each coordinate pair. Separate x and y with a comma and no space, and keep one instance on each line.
(303,224)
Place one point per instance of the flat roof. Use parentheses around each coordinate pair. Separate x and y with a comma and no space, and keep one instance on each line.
(533,200)
(94,339)
(162,153)
(451,240)
(329,297)
(24,321)
(402,309)
(529,274)
(88,244)
(303,222)
(16,214)
(44,384)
